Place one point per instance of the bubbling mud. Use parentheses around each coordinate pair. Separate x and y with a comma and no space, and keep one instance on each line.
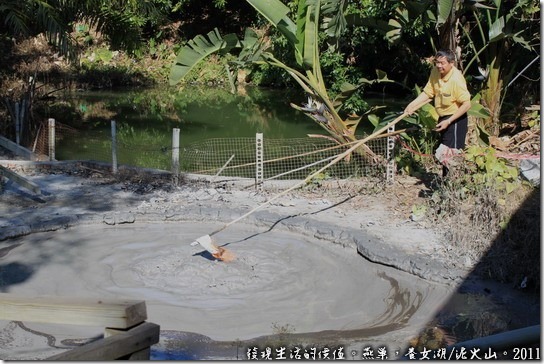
(278,278)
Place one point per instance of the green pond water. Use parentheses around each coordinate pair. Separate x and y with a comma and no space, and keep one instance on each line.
(145,120)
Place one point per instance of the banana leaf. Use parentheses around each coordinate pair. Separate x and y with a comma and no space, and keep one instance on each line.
(477,109)
(199,48)
(277,14)
(445,8)
(308,28)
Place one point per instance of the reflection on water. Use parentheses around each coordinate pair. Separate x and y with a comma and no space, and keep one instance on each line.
(400,305)
(145,119)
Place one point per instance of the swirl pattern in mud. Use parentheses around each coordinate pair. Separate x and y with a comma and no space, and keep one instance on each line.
(277,278)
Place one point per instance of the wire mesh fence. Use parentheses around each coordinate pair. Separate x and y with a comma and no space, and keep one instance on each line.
(147,149)
(259,157)
(282,159)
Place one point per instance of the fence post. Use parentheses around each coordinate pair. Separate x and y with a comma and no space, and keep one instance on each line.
(22,118)
(259,160)
(51,125)
(390,172)
(175,151)
(113,147)
(17,125)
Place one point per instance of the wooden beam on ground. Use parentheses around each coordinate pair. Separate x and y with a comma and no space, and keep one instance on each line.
(138,355)
(18,149)
(120,314)
(20,180)
(136,340)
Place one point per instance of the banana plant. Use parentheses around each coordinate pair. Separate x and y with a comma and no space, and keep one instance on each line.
(497,32)
(493,34)
(302,34)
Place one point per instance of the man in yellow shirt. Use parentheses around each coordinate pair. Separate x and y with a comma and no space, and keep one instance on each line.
(448,88)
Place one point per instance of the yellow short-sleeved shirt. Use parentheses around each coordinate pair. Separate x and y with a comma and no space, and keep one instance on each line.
(448,92)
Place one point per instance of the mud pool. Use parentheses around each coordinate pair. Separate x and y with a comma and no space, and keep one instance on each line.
(278,280)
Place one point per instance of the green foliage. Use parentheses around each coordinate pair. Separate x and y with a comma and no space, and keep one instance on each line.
(199,48)
(208,73)
(263,74)
(533,119)
(269,76)
(418,211)
(302,35)
(332,63)
(500,39)
(121,22)
(393,36)
(82,35)
(318,179)
(156,49)
(104,55)
(490,170)
(497,38)
(356,104)
(100,67)
(180,4)
(424,139)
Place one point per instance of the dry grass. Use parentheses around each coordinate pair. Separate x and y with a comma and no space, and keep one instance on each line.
(497,232)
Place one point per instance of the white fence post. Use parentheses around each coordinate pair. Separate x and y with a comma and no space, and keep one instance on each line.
(390,172)
(51,126)
(175,151)
(113,147)
(22,118)
(259,160)
(17,124)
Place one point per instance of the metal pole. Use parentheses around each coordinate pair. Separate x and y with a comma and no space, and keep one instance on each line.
(22,118)
(390,177)
(113,147)
(515,344)
(17,125)
(510,339)
(259,161)
(51,139)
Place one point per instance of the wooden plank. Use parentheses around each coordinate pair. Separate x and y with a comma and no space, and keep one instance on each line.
(139,355)
(20,180)
(117,346)
(18,149)
(76,311)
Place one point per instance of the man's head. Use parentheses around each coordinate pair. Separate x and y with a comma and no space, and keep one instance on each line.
(444,61)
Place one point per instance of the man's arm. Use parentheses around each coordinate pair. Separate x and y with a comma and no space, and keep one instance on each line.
(465,106)
(416,104)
